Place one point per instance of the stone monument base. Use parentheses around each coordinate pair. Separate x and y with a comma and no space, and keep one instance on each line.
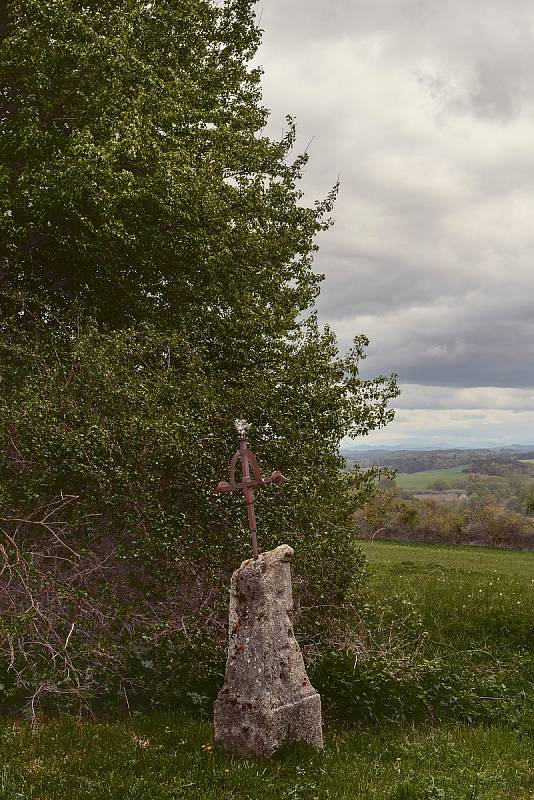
(258,734)
(267,698)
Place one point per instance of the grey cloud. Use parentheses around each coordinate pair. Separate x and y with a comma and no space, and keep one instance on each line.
(446,346)
(489,40)
(457,428)
(417,396)
(426,109)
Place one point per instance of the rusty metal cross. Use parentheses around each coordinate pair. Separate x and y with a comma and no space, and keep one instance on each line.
(248,462)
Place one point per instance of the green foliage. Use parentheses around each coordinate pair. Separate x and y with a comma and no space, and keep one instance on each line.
(156,284)
(450,636)
(481,521)
(401,687)
(169,756)
(135,177)
(432,652)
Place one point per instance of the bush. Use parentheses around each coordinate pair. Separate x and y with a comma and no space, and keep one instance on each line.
(482,522)
(117,553)
(397,675)
(156,283)
(384,689)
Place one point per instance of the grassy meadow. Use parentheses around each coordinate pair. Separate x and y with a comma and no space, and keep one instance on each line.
(468,597)
(476,605)
(425,479)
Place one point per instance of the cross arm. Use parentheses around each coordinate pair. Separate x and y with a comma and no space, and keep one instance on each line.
(224,486)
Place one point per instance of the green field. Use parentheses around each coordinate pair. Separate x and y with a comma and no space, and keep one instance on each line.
(477,606)
(466,595)
(464,561)
(423,480)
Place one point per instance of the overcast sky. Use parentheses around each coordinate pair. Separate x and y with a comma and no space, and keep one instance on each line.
(425,108)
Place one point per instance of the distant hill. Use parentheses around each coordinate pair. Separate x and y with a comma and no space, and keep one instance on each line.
(408,460)
(408,447)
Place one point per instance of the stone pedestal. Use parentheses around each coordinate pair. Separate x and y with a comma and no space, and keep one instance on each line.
(267,698)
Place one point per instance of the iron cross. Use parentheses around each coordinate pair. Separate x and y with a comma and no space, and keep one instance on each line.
(248,462)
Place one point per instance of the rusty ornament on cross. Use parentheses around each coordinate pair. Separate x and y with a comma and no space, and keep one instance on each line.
(248,462)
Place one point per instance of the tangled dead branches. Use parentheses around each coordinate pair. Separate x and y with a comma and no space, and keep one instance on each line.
(78,617)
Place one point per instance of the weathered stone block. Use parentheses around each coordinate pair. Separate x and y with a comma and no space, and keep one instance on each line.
(267,698)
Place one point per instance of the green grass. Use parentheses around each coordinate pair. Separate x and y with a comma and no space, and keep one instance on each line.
(476,604)
(385,556)
(161,757)
(423,480)
(467,596)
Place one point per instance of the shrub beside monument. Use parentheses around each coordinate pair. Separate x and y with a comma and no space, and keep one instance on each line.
(156,283)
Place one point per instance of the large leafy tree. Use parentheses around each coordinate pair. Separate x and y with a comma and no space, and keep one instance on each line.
(156,282)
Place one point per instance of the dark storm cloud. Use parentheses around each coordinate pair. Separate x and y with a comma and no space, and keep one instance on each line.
(426,109)
(476,352)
